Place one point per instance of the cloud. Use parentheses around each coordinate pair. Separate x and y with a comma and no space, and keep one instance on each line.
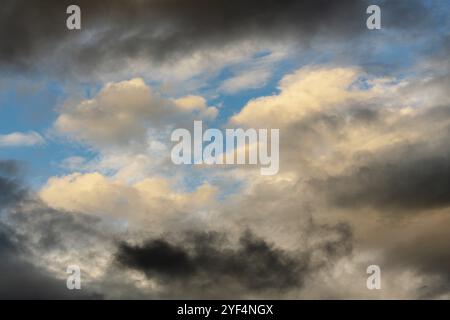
(165,31)
(28,232)
(392,167)
(348,154)
(425,251)
(74,163)
(412,253)
(202,262)
(308,90)
(196,104)
(20,139)
(372,151)
(150,199)
(21,279)
(38,242)
(160,29)
(122,113)
(365,149)
(331,117)
(417,182)
(11,190)
(252,79)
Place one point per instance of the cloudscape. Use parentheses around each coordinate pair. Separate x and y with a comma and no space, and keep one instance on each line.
(123,174)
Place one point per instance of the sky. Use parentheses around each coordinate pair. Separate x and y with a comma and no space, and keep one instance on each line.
(86,176)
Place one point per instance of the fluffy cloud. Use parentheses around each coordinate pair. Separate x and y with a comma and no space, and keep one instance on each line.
(121,113)
(329,117)
(358,161)
(151,199)
(348,154)
(371,151)
(364,151)
(198,105)
(309,91)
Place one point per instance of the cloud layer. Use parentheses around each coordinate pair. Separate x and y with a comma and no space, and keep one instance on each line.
(364,156)
(165,31)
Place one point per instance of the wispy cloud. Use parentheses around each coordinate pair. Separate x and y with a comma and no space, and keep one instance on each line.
(21,139)
(247,80)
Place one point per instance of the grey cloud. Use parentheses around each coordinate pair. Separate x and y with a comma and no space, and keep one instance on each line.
(164,30)
(27,230)
(20,279)
(254,262)
(407,177)
(208,264)
(425,253)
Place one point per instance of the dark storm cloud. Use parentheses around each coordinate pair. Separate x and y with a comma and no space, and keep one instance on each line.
(207,263)
(30,31)
(410,180)
(20,279)
(253,262)
(405,176)
(27,229)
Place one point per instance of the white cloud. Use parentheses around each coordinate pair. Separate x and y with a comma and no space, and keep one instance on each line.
(74,163)
(196,104)
(123,112)
(308,90)
(151,199)
(20,139)
(251,79)
(253,73)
